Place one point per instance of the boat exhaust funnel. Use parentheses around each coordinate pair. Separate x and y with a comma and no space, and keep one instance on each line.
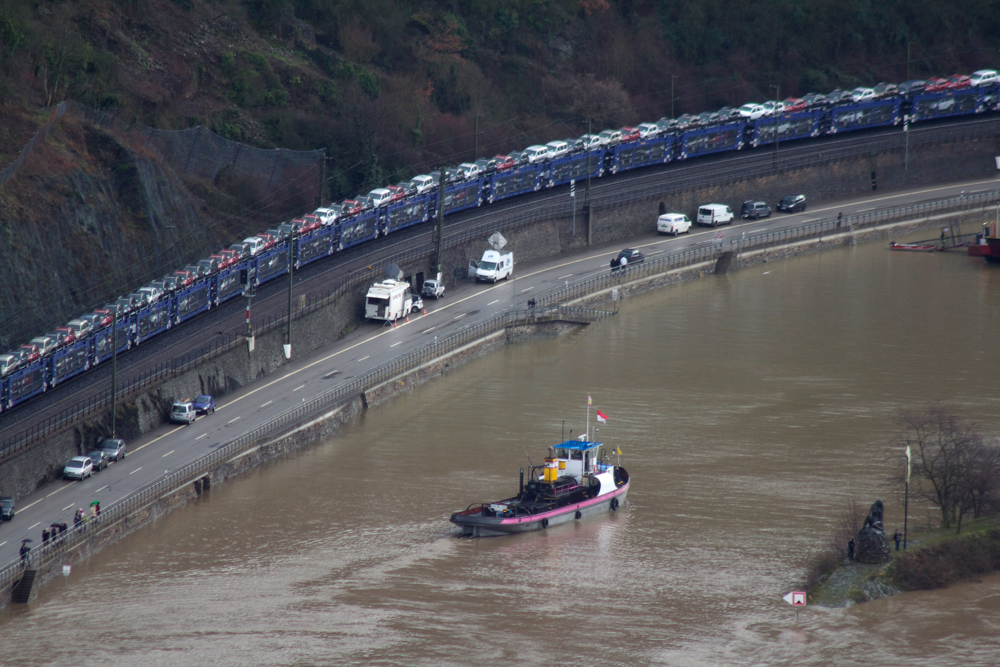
(520,491)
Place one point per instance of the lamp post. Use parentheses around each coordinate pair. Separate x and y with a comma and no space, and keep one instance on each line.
(906,496)
(291,269)
(114,370)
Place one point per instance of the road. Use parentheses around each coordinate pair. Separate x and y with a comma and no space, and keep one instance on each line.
(170,447)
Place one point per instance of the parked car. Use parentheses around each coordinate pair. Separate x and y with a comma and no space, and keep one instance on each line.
(63,336)
(518,158)
(269,239)
(254,245)
(153,293)
(9,363)
(502,162)
(794,104)
(183,412)
(958,82)
(666,124)
(626,257)
(99,459)
(557,148)
(185,278)
(208,266)
(422,183)
(610,138)
(351,207)
(485,165)
(417,304)
(590,142)
(81,328)
(396,193)
(6,509)
(936,84)
(792,203)
(838,96)
(884,89)
(648,130)
(673,224)
(469,170)
(203,404)
(714,214)
(79,467)
(862,94)
(433,288)
(630,134)
(366,202)
(408,187)
(727,113)
(114,448)
(30,353)
(46,344)
(310,223)
(983,77)
(911,87)
(755,210)
(773,107)
(752,111)
(686,120)
(327,216)
(380,197)
(814,99)
(536,153)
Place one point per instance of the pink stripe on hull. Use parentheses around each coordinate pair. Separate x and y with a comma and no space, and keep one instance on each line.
(568,508)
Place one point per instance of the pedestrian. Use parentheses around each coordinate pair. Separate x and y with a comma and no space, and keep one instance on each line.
(97,507)
(897,537)
(850,549)
(840,216)
(45,536)
(78,517)
(25,550)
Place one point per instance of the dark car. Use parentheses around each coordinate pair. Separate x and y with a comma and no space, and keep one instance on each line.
(814,99)
(517,158)
(838,96)
(114,448)
(626,257)
(727,113)
(911,87)
(885,89)
(755,210)
(407,187)
(6,509)
(792,203)
(204,404)
(99,459)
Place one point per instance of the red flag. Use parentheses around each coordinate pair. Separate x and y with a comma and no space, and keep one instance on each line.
(601,417)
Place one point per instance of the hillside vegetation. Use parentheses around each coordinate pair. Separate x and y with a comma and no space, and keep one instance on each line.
(387,88)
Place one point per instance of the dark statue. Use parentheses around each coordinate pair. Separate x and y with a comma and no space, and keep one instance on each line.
(872,545)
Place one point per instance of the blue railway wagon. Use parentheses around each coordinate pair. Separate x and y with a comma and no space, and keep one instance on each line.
(503,184)
(947,103)
(152,319)
(70,361)
(865,114)
(225,284)
(25,383)
(575,167)
(658,150)
(411,211)
(193,300)
(795,125)
(103,340)
(269,264)
(360,228)
(315,245)
(461,196)
(727,137)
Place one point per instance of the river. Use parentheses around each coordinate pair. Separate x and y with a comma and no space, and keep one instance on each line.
(750,409)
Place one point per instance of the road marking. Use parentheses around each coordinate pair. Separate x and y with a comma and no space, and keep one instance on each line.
(101,489)
(364,357)
(136,470)
(35,526)
(66,508)
(267,404)
(458,317)
(203,435)
(3,543)
(492,302)
(301,386)
(428,330)
(237,419)
(395,344)
(168,453)
(48,496)
(568,275)
(527,289)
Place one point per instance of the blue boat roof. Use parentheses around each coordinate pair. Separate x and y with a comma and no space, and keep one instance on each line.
(579,445)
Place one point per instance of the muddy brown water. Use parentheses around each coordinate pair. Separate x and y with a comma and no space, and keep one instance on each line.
(750,410)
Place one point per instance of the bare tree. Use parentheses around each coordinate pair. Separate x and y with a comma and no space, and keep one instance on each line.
(954,467)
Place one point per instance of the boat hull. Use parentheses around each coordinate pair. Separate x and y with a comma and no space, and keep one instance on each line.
(475,524)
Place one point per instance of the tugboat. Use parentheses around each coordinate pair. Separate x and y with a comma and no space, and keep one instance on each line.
(576,481)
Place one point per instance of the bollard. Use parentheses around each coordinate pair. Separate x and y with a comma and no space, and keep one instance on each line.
(425,311)
(407,319)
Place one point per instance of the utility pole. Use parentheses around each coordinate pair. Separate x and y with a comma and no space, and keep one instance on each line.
(291,268)
(114,371)
(672,77)
(475,154)
(442,184)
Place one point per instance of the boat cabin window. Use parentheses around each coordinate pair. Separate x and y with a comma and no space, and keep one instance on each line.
(576,455)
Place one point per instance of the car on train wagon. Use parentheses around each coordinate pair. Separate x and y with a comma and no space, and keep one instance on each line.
(792,203)
(983,77)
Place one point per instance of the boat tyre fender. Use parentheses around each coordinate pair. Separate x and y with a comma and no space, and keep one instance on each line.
(614,504)
(545,523)
(579,514)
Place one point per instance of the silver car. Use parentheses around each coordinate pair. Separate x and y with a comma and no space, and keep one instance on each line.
(78,467)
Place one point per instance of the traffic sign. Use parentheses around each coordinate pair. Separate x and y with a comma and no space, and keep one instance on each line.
(795,598)
(718,235)
(66,569)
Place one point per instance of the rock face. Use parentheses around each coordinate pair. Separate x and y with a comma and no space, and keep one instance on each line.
(872,546)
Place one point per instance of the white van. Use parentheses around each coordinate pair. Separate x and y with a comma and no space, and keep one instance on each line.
(183,412)
(983,77)
(380,197)
(673,223)
(557,148)
(536,154)
(714,214)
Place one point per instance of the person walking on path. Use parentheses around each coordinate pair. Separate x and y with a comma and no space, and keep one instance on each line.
(897,537)
(850,549)
(25,550)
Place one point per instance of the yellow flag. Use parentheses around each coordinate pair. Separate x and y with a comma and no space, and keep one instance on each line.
(589,400)
(618,451)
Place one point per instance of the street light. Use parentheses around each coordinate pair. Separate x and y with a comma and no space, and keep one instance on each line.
(291,268)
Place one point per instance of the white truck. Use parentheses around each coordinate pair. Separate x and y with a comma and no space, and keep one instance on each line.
(494,266)
(389,300)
